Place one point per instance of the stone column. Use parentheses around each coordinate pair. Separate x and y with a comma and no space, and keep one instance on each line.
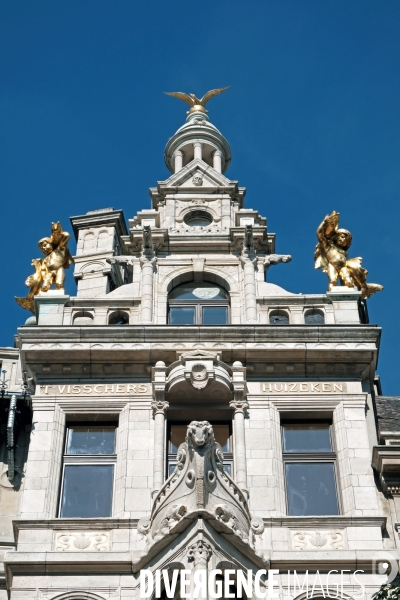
(146,310)
(198,150)
(160,407)
(178,155)
(249,289)
(217,161)
(239,405)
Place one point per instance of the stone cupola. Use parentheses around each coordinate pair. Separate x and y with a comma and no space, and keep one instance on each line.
(197,138)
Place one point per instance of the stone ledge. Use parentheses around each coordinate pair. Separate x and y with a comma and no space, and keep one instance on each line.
(320,559)
(73,524)
(325,522)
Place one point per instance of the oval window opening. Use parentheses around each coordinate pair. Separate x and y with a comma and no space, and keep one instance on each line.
(198,218)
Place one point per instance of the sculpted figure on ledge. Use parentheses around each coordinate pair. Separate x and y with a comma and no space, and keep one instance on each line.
(331,257)
(50,269)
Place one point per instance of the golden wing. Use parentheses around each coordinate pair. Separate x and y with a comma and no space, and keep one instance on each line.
(182,96)
(212,93)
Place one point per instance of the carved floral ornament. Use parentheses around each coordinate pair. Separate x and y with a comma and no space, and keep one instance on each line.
(200,488)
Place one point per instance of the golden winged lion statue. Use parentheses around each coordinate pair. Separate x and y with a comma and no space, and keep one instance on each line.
(331,257)
(197,104)
(50,269)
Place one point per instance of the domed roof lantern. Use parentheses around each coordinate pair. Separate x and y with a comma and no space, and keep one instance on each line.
(197,138)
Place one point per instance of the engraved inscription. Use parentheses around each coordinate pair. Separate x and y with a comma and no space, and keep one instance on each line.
(303,387)
(100,389)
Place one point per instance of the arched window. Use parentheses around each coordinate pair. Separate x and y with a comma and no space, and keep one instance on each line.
(89,241)
(118,317)
(83,318)
(314,317)
(200,303)
(279,317)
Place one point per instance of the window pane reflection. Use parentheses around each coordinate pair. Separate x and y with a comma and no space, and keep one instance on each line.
(201,290)
(91,440)
(221,434)
(177,437)
(311,489)
(182,315)
(215,315)
(306,438)
(87,491)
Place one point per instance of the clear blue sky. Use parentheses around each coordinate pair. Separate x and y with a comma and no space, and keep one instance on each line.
(312,118)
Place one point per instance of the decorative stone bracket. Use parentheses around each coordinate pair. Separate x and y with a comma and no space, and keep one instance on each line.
(386,462)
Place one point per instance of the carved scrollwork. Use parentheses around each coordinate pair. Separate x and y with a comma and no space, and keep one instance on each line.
(144,525)
(83,541)
(320,540)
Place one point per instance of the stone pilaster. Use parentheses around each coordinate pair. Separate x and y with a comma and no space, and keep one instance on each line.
(160,407)
(239,406)
(147,262)
(249,289)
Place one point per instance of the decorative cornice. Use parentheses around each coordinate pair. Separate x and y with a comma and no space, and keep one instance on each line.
(386,462)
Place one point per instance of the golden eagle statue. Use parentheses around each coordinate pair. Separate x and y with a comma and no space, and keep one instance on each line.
(196,104)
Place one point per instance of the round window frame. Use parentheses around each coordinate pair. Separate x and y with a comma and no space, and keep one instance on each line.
(193,214)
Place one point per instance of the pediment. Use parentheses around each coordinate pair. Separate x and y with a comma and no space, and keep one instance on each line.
(199,354)
(197,167)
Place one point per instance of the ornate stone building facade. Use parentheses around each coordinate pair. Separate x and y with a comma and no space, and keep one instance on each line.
(186,413)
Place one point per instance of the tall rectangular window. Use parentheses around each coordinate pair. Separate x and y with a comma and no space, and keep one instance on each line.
(88,471)
(310,469)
